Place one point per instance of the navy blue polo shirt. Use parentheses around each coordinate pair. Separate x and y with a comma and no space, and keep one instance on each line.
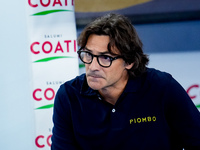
(153,113)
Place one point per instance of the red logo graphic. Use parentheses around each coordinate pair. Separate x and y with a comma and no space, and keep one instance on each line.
(42,141)
(48,94)
(46,3)
(47,47)
(192,91)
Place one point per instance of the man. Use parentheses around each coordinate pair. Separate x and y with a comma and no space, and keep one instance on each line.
(120,104)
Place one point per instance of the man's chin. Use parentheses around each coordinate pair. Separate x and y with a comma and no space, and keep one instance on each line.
(94,85)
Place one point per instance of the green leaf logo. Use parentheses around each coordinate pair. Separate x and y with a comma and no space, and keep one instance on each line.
(81,65)
(198,106)
(50,12)
(51,58)
(46,106)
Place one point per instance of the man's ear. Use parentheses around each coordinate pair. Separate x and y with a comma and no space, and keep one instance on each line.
(129,66)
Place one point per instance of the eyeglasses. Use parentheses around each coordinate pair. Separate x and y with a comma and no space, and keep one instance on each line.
(103,60)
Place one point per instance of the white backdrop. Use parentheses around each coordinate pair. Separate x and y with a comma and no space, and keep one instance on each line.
(16,113)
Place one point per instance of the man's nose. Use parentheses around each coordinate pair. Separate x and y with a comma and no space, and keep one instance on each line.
(94,65)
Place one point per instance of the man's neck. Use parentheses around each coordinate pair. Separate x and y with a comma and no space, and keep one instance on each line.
(112,94)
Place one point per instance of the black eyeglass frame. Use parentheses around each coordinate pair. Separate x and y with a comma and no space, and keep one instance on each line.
(97,56)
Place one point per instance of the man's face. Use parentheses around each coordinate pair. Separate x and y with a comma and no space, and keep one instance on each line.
(98,77)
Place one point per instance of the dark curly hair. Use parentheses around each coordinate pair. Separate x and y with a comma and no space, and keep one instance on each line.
(122,35)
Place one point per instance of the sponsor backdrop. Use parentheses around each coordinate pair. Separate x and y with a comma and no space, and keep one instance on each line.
(52,45)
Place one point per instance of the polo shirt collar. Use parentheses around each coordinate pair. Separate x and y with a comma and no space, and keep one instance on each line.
(86,90)
(133,85)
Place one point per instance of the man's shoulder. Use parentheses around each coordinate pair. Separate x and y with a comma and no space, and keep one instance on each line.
(155,76)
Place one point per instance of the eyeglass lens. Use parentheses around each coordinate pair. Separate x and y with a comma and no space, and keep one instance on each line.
(103,60)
